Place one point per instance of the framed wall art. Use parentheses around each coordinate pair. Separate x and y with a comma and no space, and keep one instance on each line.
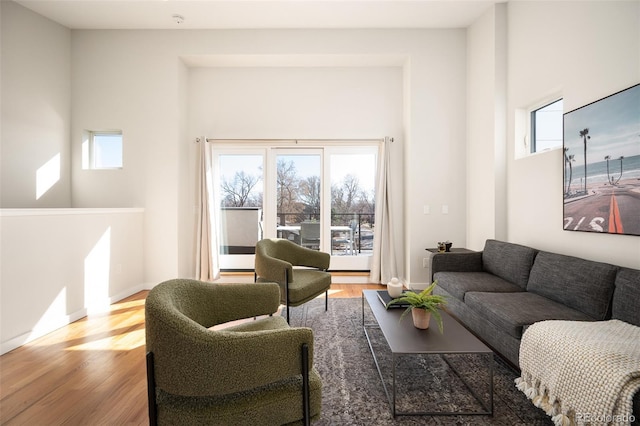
(602,165)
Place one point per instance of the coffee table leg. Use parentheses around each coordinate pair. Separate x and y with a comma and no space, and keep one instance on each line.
(490,384)
(393,385)
(488,406)
(390,398)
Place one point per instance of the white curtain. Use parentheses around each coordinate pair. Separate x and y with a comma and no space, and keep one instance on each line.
(384,263)
(207,258)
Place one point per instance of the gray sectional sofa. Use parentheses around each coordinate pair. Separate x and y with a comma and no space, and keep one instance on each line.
(498,292)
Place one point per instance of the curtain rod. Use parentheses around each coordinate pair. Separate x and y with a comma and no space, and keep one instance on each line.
(198,140)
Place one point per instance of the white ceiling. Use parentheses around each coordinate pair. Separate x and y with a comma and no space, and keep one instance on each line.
(245,14)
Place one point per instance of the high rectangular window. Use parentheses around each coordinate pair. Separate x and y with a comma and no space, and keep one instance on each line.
(546,127)
(102,150)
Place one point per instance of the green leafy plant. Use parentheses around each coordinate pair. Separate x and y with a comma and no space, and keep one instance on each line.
(423,300)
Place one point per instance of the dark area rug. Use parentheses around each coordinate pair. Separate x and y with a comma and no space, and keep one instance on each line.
(353,393)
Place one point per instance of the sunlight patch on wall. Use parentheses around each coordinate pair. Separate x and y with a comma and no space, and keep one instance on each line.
(96,275)
(47,175)
(54,317)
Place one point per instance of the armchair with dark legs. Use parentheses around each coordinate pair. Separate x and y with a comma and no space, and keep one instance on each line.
(300,272)
(259,372)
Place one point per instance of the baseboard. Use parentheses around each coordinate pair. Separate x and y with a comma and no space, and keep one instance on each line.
(32,335)
(126,293)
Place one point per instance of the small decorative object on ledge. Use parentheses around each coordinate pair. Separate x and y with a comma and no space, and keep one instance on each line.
(444,246)
(424,301)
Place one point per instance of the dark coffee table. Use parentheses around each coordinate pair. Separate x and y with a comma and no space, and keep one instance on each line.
(404,339)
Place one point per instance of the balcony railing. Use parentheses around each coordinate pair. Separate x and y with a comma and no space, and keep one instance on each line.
(361,225)
(352,233)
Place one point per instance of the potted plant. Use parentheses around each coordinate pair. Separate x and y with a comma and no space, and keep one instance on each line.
(422,305)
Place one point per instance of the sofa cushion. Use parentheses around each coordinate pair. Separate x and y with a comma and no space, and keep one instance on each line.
(458,283)
(511,262)
(578,283)
(511,312)
(626,296)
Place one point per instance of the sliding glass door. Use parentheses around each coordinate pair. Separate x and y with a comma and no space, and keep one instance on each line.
(351,203)
(299,195)
(321,197)
(240,186)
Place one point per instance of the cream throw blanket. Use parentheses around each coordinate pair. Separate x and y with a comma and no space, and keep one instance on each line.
(581,373)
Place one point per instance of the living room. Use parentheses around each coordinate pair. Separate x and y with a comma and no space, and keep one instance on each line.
(451,98)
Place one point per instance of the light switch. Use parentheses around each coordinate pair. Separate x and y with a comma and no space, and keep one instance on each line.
(445,209)
(425,210)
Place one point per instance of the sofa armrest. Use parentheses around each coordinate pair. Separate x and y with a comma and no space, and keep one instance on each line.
(457,262)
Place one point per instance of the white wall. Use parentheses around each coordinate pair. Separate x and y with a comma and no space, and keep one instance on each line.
(435,157)
(59,264)
(36,116)
(486,142)
(51,257)
(187,190)
(296,102)
(140,90)
(585,50)
(130,80)
(315,101)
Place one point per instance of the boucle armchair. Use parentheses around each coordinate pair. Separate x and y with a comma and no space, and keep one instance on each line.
(275,262)
(256,373)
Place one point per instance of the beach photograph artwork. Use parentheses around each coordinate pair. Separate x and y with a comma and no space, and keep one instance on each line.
(602,165)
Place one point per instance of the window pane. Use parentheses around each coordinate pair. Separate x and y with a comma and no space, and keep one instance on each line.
(107,150)
(547,127)
(298,198)
(241,189)
(352,203)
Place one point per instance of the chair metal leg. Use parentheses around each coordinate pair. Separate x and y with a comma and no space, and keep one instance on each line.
(286,290)
(306,392)
(326,300)
(151,390)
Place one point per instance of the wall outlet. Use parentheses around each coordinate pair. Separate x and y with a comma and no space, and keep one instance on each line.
(425,262)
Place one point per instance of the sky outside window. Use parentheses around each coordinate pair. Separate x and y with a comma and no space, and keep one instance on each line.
(107,150)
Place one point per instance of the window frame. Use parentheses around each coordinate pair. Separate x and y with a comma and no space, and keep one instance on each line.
(89,149)
(533,148)
(271,149)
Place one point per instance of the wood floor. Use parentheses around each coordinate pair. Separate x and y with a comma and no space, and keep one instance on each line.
(91,372)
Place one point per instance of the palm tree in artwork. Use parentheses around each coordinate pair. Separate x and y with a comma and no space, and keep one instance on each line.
(584,134)
(620,177)
(613,180)
(568,159)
